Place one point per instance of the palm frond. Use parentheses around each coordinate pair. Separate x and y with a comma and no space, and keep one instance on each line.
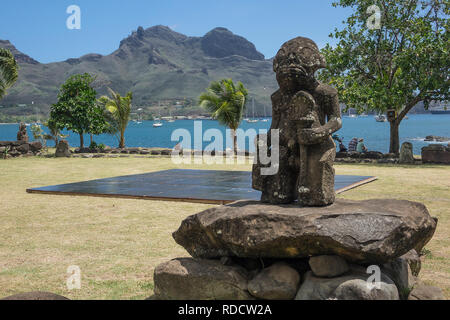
(8,70)
(225,101)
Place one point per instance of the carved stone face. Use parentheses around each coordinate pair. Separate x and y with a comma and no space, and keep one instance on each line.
(296,63)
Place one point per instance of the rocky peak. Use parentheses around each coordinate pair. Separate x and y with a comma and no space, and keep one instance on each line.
(141,35)
(221,42)
(19,56)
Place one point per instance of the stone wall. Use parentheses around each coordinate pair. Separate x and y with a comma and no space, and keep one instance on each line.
(14,149)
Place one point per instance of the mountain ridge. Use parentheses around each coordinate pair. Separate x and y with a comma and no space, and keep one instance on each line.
(156,63)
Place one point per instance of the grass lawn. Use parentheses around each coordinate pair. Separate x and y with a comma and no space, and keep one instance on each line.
(117,243)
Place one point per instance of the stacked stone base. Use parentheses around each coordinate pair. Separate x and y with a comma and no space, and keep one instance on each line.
(207,279)
(347,251)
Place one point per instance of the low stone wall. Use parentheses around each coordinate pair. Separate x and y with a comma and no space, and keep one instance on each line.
(14,149)
(147,151)
(436,153)
(368,157)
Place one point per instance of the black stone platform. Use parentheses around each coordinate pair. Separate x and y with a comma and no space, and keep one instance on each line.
(202,186)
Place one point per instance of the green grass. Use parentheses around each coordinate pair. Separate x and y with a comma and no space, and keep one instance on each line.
(117,243)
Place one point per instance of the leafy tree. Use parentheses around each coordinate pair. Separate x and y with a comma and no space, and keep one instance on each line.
(117,112)
(77,109)
(9,71)
(38,134)
(54,134)
(403,62)
(226,102)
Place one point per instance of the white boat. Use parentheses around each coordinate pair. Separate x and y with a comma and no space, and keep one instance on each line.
(265,120)
(158,123)
(381,118)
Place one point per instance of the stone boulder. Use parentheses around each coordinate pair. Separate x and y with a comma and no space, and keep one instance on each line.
(62,149)
(414,262)
(424,292)
(406,153)
(357,289)
(373,231)
(400,272)
(353,286)
(436,153)
(191,279)
(277,282)
(23,148)
(35,296)
(328,266)
(35,146)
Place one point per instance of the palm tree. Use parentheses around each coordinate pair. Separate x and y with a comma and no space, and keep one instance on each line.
(55,134)
(226,102)
(8,71)
(117,114)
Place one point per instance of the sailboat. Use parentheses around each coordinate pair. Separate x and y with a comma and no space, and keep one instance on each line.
(253,120)
(265,119)
(171,120)
(158,123)
(139,120)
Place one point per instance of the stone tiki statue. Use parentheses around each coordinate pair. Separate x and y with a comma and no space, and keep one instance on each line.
(22,134)
(306,113)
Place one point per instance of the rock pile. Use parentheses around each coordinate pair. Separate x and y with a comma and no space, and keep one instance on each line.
(251,250)
(436,139)
(16,149)
(21,147)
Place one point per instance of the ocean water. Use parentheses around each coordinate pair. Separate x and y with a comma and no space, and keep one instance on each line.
(375,134)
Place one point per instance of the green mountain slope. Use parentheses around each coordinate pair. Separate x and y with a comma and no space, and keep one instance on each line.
(156,64)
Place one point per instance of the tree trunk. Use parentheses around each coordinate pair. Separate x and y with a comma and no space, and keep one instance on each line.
(92,138)
(81,140)
(235,149)
(122,140)
(394,145)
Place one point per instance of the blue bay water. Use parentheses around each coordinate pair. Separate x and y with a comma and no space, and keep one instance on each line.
(376,134)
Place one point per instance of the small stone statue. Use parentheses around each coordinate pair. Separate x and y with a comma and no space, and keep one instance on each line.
(306,113)
(22,135)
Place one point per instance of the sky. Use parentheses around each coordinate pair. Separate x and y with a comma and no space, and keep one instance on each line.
(38,28)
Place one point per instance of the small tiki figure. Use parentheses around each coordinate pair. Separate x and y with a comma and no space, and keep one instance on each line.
(304,116)
(306,113)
